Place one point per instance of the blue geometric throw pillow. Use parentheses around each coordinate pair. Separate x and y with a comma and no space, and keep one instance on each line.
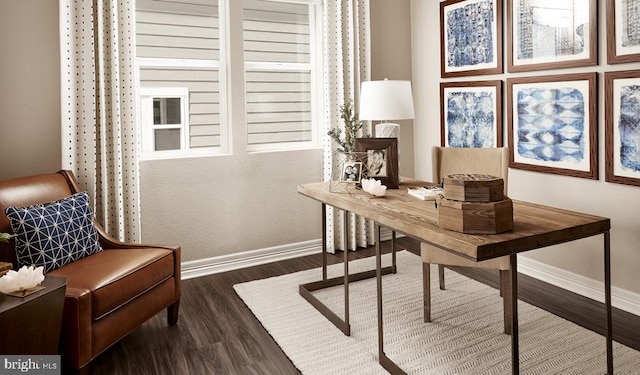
(54,234)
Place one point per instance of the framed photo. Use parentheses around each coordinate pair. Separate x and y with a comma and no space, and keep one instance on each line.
(544,34)
(623,31)
(622,127)
(552,124)
(470,37)
(351,172)
(471,114)
(381,159)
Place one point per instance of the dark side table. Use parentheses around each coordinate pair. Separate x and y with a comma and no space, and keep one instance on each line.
(31,324)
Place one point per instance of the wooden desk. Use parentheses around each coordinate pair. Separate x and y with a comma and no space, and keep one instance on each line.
(535,226)
(31,324)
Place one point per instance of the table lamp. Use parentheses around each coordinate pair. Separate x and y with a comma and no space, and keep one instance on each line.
(383,101)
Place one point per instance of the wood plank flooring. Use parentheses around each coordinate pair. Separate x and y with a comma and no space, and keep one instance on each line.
(218,334)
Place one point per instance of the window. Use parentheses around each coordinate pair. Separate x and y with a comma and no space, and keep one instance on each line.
(178,51)
(279,45)
(164,111)
(183,62)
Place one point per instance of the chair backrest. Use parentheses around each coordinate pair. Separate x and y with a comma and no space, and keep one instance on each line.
(452,160)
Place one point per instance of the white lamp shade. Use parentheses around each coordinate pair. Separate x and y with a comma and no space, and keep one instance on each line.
(386,100)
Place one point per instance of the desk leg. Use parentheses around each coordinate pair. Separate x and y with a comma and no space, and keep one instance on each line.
(306,290)
(345,261)
(393,249)
(515,350)
(324,241)
(607,298)
(385,362)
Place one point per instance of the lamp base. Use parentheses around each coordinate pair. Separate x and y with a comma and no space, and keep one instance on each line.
(387,130)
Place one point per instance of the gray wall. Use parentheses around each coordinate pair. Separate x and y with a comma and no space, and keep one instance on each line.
(579,264)
(228,204)
(29,88)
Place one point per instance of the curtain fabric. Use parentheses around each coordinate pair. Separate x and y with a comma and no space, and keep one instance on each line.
(347,55)
(99,108)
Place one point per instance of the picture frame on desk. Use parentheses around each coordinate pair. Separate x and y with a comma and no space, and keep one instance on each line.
(552,124)
(351,172)
(622,113)
(470,37)
(544,35)
(471,115)
(381,160)
(623,37)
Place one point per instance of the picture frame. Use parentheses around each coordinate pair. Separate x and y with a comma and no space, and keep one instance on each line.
(351,172)
(552,124)
(381,160)
(470,37)
(543,34)
(621,117)
(623,39)
(471,114)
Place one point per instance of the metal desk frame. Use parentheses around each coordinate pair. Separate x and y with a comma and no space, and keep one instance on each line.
(306,290)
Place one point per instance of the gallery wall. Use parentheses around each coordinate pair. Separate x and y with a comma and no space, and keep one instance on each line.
(577,266)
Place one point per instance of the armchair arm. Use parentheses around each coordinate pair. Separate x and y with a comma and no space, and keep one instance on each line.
(110,243)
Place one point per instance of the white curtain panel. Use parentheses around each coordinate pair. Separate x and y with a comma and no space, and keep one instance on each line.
(99,108)
(347,55)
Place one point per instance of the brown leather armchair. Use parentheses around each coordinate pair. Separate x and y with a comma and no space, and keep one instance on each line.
(110,293)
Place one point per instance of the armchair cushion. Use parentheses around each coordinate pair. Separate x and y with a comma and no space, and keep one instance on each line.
(115,277)
(54,234)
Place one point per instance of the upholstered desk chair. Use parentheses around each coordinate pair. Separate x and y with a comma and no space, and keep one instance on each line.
(446,161)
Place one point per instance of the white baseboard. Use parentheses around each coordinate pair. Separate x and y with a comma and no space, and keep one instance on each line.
(620,298)
(224,263)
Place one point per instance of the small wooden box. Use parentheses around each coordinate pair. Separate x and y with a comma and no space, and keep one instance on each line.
(473,188)
(475,217)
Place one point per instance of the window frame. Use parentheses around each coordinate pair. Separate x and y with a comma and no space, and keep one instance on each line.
(146,97)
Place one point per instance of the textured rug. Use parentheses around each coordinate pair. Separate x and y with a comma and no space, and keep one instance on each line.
(465,336)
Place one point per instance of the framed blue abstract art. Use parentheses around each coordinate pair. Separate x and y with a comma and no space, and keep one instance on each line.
(470,37)
(622,127)
(552,124)
(471,114)
(623,31)
(551,34)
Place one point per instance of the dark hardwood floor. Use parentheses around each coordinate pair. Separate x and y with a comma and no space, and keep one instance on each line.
(218,334)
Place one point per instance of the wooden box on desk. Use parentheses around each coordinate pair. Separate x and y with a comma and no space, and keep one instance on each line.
(475,217)
(473,188)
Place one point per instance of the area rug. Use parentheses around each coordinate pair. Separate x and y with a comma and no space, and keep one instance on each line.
(465,337)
